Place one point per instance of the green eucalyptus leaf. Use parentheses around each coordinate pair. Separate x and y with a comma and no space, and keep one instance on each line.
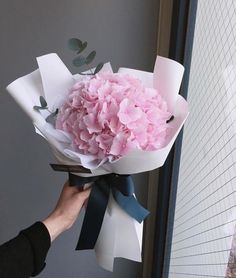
(52,117)
(79,61)
(42,102)
(56,112)
(90,57)
(98,67)
(82,73)
(75,44)
(82,48)
(37,108)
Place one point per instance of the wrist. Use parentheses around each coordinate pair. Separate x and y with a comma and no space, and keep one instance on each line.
(55,225)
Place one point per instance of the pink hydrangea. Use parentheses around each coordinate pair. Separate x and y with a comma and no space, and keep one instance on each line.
(108,115)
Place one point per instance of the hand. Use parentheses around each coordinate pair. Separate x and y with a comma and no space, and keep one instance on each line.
(67,210)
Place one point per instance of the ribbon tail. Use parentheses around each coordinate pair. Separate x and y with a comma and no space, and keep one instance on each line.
(130,205)
(94,215)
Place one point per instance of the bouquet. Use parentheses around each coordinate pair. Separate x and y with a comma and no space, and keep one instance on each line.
(102,127)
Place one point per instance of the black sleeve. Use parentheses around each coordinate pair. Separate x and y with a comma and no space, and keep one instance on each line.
(24,256)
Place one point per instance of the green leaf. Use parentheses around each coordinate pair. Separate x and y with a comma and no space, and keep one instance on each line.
(82,48)
(42,102)
(98,67)
(79,61)
(37,108)
(75,44)
(82,73)
(56,112)
(90,57)
(51,118)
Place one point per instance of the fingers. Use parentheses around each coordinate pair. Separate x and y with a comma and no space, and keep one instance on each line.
(70,189)
(85,194)
(76,192)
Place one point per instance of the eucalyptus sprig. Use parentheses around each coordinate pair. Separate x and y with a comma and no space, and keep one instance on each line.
(78,46)
(44,106)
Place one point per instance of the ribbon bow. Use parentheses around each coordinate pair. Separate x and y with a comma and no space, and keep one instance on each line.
(122,189)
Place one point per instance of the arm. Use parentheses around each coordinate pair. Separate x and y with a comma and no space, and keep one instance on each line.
(24,256)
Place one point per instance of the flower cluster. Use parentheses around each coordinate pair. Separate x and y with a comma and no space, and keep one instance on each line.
(108,115)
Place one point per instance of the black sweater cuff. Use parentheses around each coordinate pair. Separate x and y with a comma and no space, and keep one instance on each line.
(40,242)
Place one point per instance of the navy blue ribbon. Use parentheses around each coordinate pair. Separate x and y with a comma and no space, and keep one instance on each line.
(122,189)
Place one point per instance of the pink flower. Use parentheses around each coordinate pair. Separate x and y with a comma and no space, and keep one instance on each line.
(129,112)
(109,115)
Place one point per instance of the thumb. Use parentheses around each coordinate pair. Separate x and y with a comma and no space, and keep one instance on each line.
(84,195)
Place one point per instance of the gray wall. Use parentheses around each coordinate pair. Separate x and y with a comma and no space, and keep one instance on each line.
(123,32)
